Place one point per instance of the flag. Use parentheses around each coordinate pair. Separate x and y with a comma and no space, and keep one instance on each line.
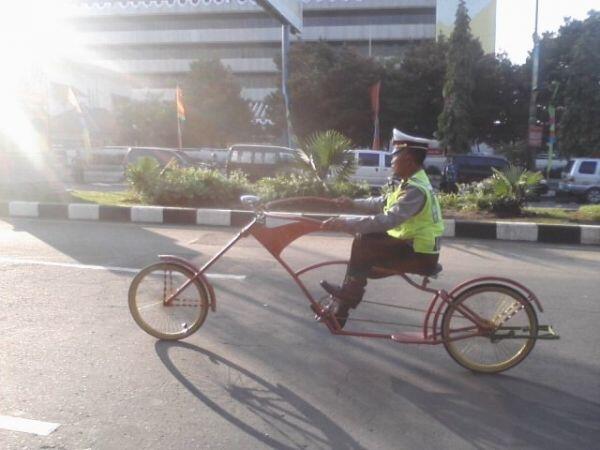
(374,94)
(85,132)
(180,107)
(72,98)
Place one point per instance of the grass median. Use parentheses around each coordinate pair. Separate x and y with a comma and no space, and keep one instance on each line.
(587,214)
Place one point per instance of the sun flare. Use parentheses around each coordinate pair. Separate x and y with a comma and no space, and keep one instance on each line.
(35,43)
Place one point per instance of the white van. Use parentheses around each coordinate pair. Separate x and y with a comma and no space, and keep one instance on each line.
(375,167)
(582,178)
(372,166)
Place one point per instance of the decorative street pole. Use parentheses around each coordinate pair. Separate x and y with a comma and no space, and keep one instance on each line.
(534,135)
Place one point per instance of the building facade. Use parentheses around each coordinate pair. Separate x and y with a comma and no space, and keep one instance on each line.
(153,42)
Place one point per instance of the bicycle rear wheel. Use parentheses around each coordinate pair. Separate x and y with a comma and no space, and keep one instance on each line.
(505,335)
(173,320)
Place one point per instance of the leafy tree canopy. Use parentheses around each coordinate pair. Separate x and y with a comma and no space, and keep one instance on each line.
(455,123)
(216,114)
(412,89)
(149,122)
(329,89)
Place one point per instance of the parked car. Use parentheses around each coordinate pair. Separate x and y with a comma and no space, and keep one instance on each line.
(161,155)
(557,166)
(259,161)
(469,169)
(582,179)
(215,157)
(375,167)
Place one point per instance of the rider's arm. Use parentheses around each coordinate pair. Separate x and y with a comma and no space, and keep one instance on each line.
(369,205)
(407,206)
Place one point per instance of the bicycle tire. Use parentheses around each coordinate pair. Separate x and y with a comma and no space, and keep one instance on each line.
(190,313)
(513,354)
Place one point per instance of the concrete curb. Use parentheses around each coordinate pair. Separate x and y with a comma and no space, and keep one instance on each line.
(500,230)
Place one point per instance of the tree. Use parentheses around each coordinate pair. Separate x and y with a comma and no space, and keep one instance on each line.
(500,100)
(580,130)
(149,122)
(569,59)
(329,89)
(327,152)
(411,90)
(216,114)
(455,126)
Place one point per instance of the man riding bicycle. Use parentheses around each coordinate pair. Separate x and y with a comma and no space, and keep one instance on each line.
(403,234)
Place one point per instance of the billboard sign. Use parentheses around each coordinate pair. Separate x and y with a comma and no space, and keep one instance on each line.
(289,12)
(535,136)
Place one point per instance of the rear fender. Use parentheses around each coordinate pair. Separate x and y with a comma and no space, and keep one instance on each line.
(201,277)
(498,280)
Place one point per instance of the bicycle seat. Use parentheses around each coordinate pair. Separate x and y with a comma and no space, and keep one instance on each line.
(380,272)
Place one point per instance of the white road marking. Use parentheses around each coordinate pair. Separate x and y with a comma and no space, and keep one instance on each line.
(216,276)
(27,425)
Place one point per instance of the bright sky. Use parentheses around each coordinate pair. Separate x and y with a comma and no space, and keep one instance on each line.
(516,22)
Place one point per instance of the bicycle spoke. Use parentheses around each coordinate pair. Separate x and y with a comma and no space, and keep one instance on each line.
(500,310)
(181,314)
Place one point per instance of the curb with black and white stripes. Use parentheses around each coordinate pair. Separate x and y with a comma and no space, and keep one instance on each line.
(511,231)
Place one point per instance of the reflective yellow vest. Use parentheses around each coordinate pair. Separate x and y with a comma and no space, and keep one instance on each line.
(427,226)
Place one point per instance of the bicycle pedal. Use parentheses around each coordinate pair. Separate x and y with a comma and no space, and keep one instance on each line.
(319,312)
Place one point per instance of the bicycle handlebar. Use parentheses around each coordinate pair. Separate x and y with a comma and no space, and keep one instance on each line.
(303,201)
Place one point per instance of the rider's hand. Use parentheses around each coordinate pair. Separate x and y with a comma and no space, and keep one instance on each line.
(334,224)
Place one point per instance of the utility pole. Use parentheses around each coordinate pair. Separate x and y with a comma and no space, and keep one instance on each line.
(531,129)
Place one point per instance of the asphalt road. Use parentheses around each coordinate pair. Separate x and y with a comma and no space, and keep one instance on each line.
(261,373)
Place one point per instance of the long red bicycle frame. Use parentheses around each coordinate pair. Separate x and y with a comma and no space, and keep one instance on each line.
(276,239)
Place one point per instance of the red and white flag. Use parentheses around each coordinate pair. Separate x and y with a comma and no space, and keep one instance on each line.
(374,94)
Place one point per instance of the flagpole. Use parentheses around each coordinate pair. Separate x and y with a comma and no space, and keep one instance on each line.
(179,133)
(178,107)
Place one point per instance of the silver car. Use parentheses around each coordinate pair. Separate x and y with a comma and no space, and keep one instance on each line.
(582,178)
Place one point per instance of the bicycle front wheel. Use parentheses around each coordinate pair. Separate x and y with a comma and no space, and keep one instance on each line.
(489,328)
(160,317)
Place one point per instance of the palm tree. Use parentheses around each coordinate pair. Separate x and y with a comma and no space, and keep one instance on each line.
(326,155)
(511,187)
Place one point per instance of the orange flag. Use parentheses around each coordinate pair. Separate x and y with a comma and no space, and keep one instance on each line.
(180,108)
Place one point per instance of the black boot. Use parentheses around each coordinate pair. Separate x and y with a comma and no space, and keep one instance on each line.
(348,296)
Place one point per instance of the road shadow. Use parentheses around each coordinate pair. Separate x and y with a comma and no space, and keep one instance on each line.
(503,411)
(293,423)
(546,255)
(135,247)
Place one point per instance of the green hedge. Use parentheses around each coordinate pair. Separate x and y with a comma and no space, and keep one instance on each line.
(303,185)
(175,186)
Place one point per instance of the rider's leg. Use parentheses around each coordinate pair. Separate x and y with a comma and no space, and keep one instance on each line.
(368,250)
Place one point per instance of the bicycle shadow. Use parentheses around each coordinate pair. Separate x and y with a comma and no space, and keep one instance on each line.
(292,422)
(504,411)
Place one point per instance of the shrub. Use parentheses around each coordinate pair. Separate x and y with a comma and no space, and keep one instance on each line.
(588,213)
(504,193)
(352,190)
(508,189)
(306,185)
(294,185)
(185,186)
(143,175)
